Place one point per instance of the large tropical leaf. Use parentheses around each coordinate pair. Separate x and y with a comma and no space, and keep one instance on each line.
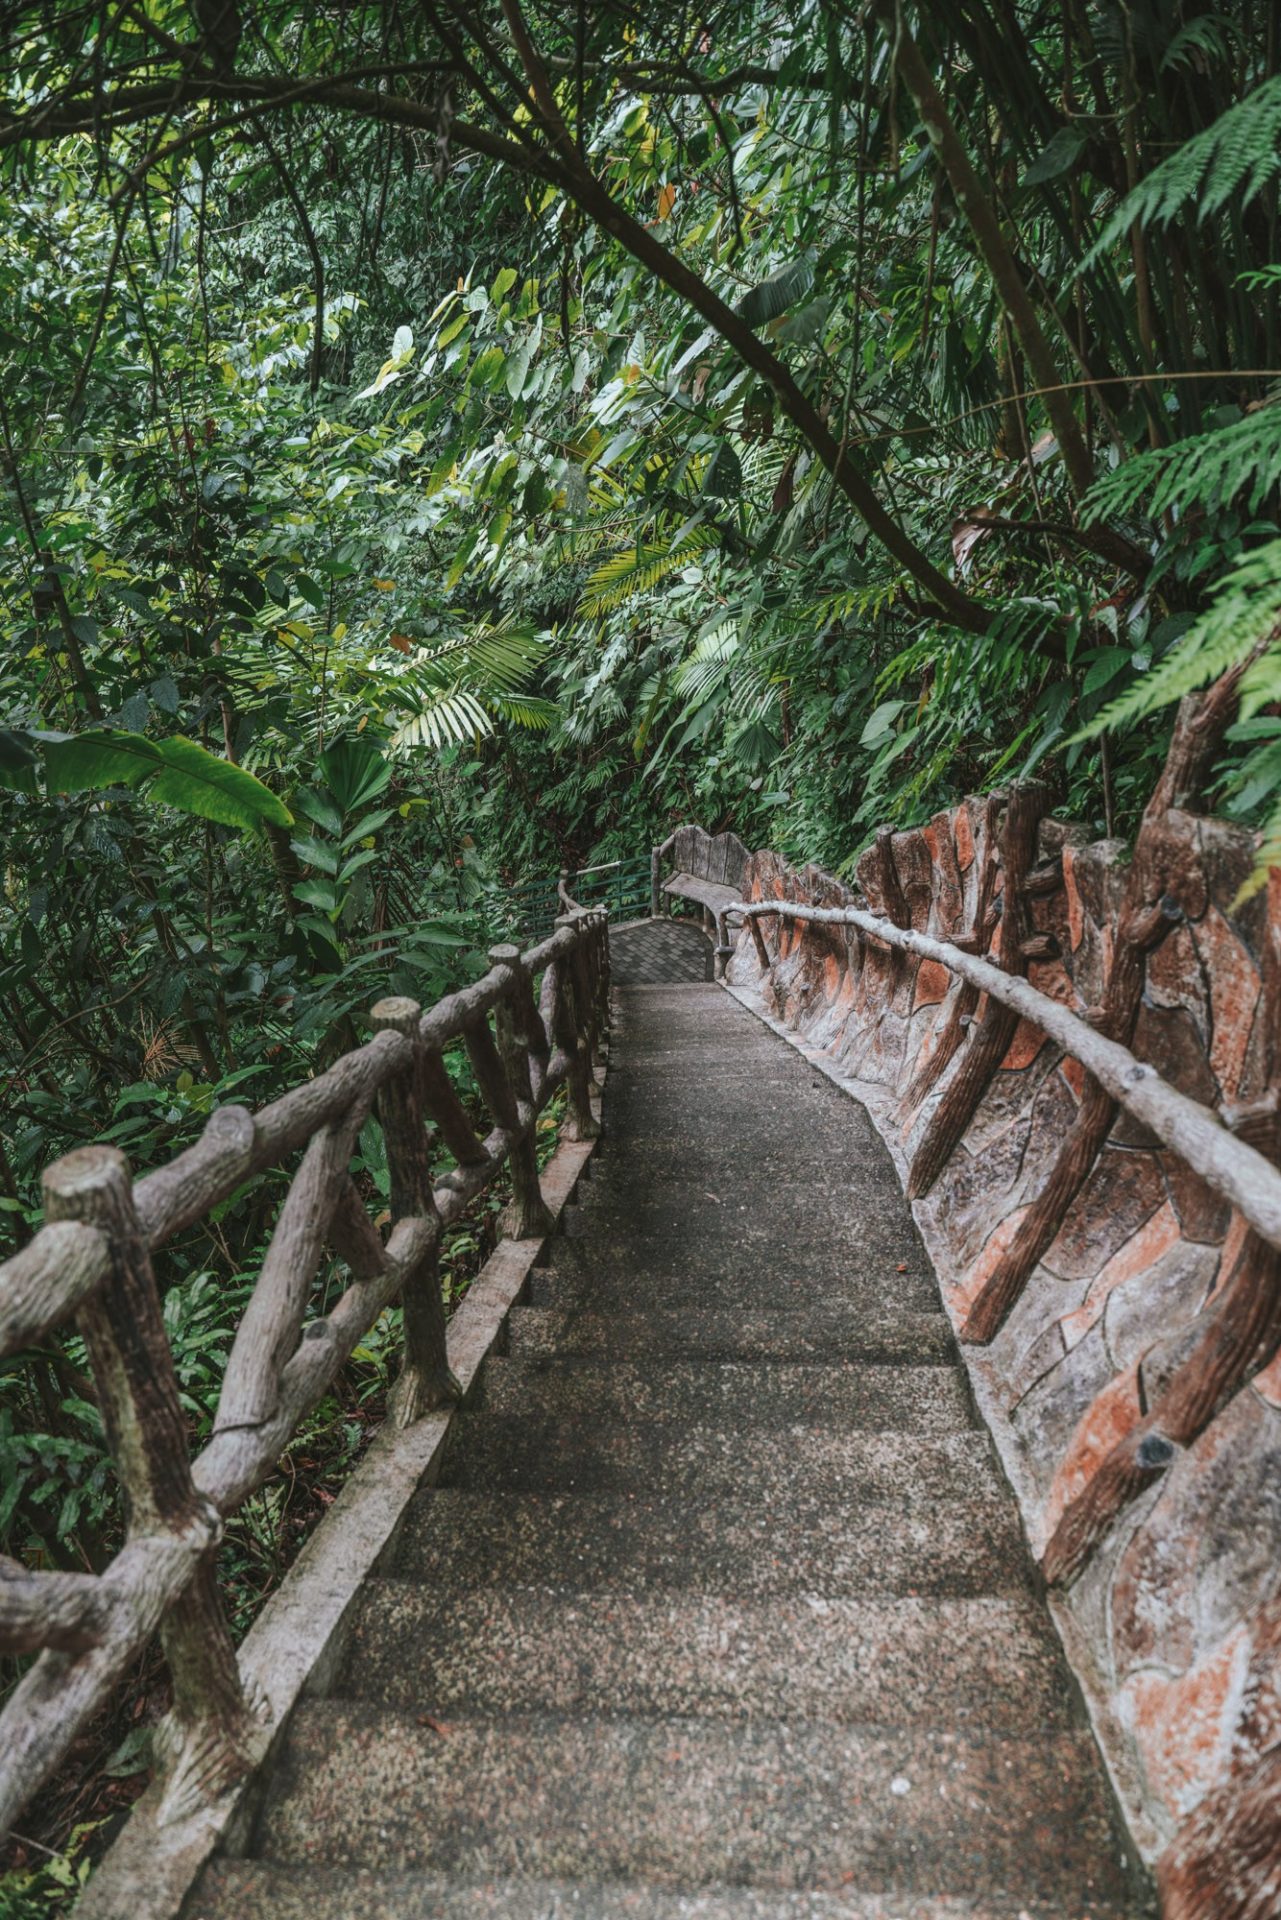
(106,757)
(196,781)
(178,773)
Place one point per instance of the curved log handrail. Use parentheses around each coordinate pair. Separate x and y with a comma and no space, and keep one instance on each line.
(93,1259)
(1234,1169)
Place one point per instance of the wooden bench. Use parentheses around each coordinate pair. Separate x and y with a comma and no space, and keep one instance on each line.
(708,869)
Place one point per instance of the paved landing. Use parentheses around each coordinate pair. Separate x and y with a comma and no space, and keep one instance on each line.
(721,1608)
(659,952)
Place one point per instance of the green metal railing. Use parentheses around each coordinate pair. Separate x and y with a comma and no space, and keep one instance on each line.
(620,886)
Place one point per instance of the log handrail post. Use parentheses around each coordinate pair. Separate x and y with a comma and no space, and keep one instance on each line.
(585,962)
(519,1030)
(203,1744)
(447,1110)
(989,1042)
(426,1381)
(573,1029)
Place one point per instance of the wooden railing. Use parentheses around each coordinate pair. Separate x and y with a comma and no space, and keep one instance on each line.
(533,1023)
(1235,1169)
(1242,1326)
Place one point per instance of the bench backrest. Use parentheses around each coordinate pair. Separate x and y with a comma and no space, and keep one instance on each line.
(720,857)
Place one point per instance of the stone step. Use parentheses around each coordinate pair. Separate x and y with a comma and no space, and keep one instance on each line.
(645,1169)
(710,1333)
(690,1803)
(580,1272)
(750,1545)
(729,1393)
(651,1197)
(261,1890)
(871,1662)
(541,1453)
(847,1240)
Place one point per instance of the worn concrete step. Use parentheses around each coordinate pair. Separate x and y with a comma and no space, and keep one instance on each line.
(541,1452)
(652,1191)
(710,1333)
(839,1244)
(578,1271)
(679,1152)
(688,1803)
(730,1393)
(750,1545)
(871,1662)
(644,1170)
(262,1890)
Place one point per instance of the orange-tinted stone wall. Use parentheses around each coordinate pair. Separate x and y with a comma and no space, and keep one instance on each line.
(1172,1627)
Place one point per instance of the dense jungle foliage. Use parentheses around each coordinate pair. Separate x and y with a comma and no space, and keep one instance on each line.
(445,441)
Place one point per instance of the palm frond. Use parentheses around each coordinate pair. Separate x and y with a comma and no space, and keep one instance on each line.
(638,569)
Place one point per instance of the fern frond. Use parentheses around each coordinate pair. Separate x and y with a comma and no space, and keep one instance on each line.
(1245,611)
(1208,470)
(1232,160)
(706,668)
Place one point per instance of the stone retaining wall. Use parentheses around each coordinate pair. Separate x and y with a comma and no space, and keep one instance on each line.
(1173,1627)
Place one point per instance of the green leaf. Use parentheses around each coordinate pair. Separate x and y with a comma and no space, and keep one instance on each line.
(196,781)
(1105,666)
(315,853)
(19,762)
(487,370)
(105,757)
(458,565)
(355,771)
(518,368)
(314,806)
(724,477)
(370,824)
(316,893)
(1062,153)
(357,861)
(759,305)
(881,722)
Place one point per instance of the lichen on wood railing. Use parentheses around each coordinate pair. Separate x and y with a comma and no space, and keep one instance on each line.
(92,1259)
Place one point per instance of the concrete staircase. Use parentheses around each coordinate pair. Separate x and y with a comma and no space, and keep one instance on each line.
(720,1610)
